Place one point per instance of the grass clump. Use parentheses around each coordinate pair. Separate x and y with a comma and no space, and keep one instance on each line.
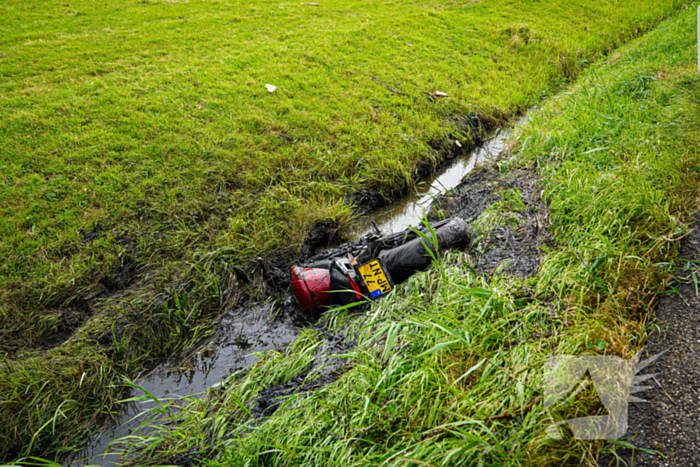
(448,369)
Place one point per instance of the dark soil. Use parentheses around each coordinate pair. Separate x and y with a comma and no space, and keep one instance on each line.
(366,200)
(516,248)
(328,369)
(254,328)
(669,423)
(322,236)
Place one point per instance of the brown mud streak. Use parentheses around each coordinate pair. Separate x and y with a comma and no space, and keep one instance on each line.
(76,311)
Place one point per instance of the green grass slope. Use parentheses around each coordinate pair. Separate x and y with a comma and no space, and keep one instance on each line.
(141,155)
(448,369)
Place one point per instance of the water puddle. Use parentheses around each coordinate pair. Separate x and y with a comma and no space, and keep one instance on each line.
(242,332)
(239,335)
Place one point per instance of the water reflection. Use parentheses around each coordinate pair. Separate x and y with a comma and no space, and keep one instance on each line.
(409,210)
(240,334)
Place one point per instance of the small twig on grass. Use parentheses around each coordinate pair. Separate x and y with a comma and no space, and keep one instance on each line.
(387,86)
(362,435)
(662,388)
(512,413)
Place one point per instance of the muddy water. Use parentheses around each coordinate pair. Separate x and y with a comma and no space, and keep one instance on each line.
(409,210)
(242,332)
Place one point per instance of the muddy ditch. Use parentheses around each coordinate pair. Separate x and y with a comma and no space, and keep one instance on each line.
(240,333)
(457,189)
(513,249)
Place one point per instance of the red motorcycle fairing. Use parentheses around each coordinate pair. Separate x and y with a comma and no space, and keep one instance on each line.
(311,287)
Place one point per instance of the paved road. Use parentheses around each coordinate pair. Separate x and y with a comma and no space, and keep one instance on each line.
(670,422)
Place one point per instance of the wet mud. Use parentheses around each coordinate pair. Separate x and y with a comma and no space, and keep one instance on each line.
(322,236)
(240,334)
(328,369)
(514,248)
(253,328)
(508,249)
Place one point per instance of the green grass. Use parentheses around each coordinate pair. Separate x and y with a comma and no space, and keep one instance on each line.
(448,369)
(141,156)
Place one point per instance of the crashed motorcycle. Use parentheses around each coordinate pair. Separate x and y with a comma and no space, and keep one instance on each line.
(369,268)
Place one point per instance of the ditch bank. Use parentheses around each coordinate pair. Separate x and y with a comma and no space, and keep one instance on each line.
(665,428)
(509,244)
(164,375)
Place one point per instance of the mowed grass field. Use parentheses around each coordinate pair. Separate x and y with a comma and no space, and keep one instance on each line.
(141,156)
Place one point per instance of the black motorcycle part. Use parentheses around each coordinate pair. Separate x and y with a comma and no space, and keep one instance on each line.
(404,261)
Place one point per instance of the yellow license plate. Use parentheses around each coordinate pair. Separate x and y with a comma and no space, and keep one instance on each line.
(375,278)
